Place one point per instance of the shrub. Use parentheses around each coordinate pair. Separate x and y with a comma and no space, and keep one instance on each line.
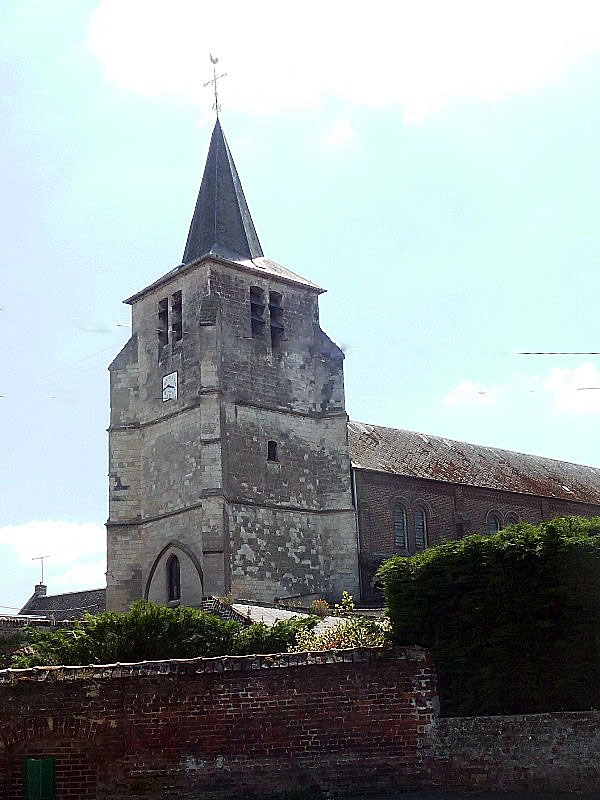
(278,638)
(9,645)
(513,620)
(351,631)
(151,632)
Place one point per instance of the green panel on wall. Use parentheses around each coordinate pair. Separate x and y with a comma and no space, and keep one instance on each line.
(38,778)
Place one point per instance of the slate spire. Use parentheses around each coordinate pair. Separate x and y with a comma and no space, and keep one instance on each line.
(221,225)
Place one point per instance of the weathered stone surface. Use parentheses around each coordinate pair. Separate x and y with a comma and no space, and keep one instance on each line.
(192,476)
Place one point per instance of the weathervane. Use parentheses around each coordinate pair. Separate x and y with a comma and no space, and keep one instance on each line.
(214,81)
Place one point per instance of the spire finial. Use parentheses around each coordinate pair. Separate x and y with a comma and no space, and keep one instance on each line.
(214,61)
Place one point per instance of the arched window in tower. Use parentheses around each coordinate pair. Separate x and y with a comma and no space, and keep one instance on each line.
(400,530)
(173,579)
(420,520)
(494,524)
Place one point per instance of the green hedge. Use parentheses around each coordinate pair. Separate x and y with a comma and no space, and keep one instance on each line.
(512,620)
(151,632)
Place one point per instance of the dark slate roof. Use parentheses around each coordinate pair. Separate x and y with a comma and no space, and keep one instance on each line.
(418,455)
(70,605)
(221,225)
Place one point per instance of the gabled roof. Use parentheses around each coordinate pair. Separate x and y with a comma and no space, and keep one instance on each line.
(221,225)
(70,605)
(418,455)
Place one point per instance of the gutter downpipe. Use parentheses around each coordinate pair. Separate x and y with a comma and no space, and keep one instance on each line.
(355,499)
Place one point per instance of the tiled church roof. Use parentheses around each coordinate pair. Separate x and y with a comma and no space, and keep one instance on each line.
(418,455)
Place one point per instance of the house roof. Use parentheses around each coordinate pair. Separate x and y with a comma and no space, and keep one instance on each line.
(70,605)
(418,455)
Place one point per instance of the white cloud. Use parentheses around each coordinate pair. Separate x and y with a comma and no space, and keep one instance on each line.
(65,542)
(472,395)
(575,390)
(289,56)
(83,576)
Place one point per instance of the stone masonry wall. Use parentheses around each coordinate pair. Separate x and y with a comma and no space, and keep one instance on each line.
(537,753)
(286,554)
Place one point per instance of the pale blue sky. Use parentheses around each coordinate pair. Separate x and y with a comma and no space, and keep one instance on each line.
(436,170)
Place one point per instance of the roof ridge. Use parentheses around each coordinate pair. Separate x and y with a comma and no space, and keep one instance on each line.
(75,591)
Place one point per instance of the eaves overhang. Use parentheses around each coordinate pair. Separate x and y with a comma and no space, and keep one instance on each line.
(250,265)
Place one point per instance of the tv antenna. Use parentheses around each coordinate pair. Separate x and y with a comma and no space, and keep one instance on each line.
(41,560)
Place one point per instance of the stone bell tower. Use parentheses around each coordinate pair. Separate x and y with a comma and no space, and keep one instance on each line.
(228,455)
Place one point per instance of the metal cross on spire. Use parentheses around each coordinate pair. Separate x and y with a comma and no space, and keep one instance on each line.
(214,81)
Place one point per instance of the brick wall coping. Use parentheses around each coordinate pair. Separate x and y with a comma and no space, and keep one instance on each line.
(220,664)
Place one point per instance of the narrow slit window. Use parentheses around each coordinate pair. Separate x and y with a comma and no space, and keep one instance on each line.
(400,529)
(276,318)
(420,521)
(257,311)
(272,451)
(176,318)
(163,322)
(173,579)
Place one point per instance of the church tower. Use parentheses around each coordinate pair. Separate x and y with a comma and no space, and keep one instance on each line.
(228,454)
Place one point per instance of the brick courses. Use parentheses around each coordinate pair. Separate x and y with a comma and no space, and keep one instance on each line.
(217,728)
(355,721)
(453,511)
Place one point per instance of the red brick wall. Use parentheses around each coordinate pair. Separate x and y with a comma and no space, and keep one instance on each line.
(210,729)
(76,769)
(217,728)
(446,505)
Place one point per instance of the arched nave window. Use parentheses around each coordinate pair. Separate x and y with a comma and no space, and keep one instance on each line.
(420,520)
(400,530)
(494,524)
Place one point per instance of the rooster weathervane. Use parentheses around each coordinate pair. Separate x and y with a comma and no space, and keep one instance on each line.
(215,79)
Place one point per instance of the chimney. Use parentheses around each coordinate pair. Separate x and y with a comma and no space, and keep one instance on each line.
(40,590)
